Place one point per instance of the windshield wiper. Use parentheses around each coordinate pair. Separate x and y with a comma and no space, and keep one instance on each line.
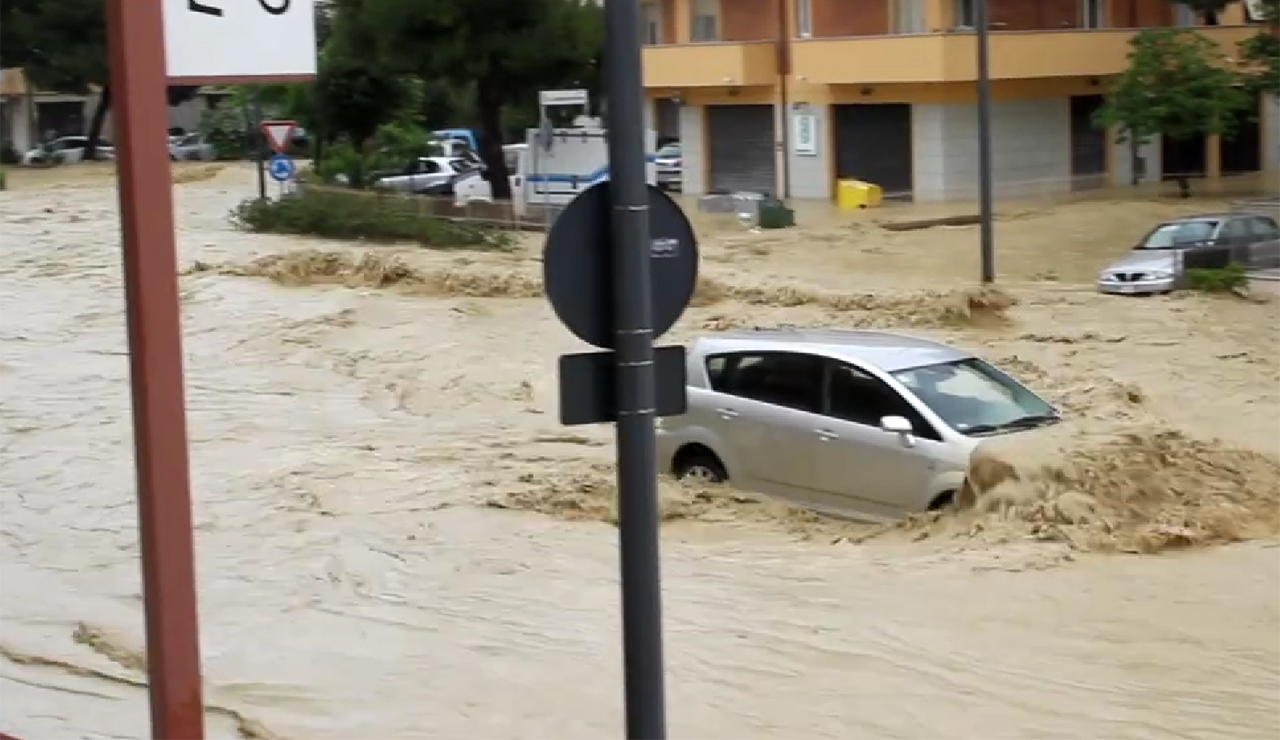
(1022,422)
(1030,420)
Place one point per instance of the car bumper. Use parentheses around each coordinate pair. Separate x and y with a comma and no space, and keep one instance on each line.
(1137,287)
(669,176)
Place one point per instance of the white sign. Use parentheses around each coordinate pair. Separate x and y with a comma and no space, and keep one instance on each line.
(563,97)
(213,40)
(804,136)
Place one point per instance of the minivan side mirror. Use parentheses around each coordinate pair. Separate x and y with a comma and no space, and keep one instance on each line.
(901,426)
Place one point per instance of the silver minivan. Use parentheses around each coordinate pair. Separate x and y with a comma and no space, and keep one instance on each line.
(866,424)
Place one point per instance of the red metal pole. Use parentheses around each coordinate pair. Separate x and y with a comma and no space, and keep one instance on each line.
(135,41)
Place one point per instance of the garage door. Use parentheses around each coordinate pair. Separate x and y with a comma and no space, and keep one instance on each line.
(873,143)
(740,148)
(1088,144)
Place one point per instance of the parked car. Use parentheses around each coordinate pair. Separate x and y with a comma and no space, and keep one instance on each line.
(66,150)
(670,163)
(191,147)
(437,176)
(859,423)
(1159,262)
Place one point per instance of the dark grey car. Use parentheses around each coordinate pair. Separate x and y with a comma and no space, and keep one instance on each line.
(1159,262)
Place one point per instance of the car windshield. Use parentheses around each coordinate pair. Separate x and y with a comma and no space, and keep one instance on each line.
(974,398)
(670,151)
(1168,236)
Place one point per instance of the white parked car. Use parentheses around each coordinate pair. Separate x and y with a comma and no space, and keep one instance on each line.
(437,176)
(66,150)
(191,147)
(867,424)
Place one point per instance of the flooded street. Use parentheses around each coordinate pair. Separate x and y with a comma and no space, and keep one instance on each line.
(396,538)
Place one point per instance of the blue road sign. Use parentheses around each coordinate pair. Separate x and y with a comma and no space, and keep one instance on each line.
(281,168)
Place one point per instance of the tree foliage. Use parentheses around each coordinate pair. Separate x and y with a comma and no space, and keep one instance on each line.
(505,51)
(1260,53)
(1178,85)
(62,47)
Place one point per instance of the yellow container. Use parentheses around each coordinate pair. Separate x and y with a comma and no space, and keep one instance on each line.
(854,194)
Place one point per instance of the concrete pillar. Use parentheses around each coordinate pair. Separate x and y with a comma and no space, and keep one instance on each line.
(692,149)
(1269,125)
(683,21)
(811,173)
(939,15)
(1213,156)
(1122,160)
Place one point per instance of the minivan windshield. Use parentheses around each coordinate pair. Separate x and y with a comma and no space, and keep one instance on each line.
(1179,233)
(975,398)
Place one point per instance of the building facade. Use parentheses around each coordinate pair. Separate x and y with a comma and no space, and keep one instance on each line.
(790,96)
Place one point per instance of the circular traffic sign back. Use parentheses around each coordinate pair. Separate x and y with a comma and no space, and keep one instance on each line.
(577,265)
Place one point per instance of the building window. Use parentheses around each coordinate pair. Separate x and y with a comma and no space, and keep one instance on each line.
(1095,14)
(908,16)
(1183,16)
(965,15)
(706,21)
(650,23)
(804,18)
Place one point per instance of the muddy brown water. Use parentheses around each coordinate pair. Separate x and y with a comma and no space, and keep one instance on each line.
(362,457)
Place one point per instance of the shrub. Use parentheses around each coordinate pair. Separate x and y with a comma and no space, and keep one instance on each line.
(1217,280)
(3,186)
(338,214)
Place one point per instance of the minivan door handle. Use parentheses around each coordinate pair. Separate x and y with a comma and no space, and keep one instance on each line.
(727,413)
(826,435)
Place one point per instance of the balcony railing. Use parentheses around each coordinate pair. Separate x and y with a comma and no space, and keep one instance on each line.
(723,64)
(950,57)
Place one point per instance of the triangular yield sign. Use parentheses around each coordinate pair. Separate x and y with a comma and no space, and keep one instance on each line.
(279,134)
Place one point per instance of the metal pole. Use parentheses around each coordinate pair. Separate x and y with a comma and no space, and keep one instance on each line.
(256,136)
(984,145)
(135,43)
(637,466)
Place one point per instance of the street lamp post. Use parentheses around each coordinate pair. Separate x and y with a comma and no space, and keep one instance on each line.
(987,217)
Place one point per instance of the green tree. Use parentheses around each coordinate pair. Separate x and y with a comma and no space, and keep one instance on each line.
(1178,85)
(62,46)
(1260,53)
(505,51)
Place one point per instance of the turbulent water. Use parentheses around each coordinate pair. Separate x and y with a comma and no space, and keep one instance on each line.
(354,583)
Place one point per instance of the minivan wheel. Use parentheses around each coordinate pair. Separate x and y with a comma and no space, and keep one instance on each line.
(700,467)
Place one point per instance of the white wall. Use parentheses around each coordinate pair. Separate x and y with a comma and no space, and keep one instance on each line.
(1122,166)
(810,175)
(691,140)
(1031,148)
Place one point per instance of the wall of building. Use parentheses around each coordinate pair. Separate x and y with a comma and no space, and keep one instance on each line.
(811,175)
(1122,161)
(1270,124)
(1033,151)
(692,144)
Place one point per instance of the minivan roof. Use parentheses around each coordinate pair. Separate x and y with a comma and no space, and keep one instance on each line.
(888,351)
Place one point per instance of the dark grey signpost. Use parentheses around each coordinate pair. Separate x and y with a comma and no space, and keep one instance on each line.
(620,267)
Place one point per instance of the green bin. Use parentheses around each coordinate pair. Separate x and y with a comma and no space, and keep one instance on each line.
(774,214)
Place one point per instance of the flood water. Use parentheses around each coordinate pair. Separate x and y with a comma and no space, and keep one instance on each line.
(353,583)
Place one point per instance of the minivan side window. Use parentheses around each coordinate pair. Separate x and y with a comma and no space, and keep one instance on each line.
(1264,228)
(789,379)
(862,398)
(1236,228)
